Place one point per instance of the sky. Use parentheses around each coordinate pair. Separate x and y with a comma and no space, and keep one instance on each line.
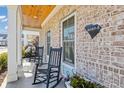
(3,20)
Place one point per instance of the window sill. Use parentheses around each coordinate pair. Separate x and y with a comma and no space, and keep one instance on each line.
(67,63)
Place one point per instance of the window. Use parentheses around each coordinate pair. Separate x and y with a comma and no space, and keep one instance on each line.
(48,42)
(68,40)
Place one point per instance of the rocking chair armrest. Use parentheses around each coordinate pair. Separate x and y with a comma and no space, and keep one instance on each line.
(45,63)
(41,64)
(53,66)
(36,63)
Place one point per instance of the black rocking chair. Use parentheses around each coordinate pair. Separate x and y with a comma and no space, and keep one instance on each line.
(38,55)
(52,72)
(33,54)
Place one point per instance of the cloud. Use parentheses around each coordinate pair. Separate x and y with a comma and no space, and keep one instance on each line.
(2,6)
(4,20)
(2,17)
(2,31)
(6,27)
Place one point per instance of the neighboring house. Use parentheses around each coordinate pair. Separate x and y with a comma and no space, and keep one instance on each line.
(3,39)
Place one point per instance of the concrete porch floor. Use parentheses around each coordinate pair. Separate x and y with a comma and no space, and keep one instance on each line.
(26,78)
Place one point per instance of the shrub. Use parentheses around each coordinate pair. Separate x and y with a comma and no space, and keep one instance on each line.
(26,54)
(3,61)
(23,52)
(78,82)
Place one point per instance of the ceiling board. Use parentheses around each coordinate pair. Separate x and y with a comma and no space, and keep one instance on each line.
(34,15)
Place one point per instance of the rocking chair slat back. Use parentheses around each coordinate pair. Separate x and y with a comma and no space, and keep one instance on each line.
(55,57)
(39,54)
(40,51)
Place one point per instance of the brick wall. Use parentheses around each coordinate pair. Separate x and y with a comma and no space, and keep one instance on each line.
(101,58)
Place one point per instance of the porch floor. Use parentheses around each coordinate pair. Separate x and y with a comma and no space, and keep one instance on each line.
(26,79)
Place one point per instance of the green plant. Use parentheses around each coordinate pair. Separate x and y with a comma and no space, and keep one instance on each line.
(89,84)
(79,82)
(26,54)
(23,52)
(3,60)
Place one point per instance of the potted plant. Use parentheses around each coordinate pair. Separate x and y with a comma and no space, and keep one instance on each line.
(81,82)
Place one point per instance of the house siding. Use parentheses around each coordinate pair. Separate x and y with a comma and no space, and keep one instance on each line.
(101,58)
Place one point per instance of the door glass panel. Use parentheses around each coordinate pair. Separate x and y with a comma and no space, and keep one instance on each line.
(48,42)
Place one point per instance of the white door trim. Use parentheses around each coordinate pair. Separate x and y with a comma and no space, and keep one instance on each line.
(47,56)
(75,22)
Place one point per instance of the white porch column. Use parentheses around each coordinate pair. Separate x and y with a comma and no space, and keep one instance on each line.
(25,39)
(12,43)
(19,40)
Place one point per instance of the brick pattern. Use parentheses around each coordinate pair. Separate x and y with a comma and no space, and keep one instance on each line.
(102,58)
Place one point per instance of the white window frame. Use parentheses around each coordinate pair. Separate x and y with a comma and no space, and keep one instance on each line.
(47,39)
(75,27)
(47,56)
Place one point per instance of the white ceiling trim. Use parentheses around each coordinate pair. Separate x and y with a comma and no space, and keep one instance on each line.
(31,29)
(55,10)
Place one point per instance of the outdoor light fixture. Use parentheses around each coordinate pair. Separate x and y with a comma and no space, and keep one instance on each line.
(93,29)
(35,17)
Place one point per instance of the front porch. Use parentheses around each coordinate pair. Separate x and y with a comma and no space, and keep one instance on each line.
(98,58)
(20,71)
(26,78)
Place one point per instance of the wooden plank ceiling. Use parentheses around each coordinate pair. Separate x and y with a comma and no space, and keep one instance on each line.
(34,15)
